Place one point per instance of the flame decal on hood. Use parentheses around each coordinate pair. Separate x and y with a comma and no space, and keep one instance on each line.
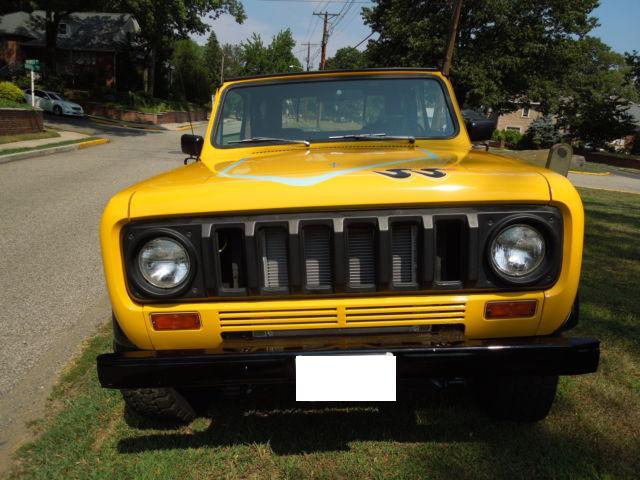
(316,179)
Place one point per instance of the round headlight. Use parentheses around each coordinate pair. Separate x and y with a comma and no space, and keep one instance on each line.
(518,250)
(164,262)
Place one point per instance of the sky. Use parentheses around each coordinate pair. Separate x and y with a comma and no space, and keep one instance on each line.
(619,19)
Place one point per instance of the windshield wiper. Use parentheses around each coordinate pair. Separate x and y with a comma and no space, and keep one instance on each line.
(271,139)
(373,136)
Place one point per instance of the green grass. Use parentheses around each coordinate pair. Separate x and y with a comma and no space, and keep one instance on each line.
(9,151)
(592,432)
(28,136)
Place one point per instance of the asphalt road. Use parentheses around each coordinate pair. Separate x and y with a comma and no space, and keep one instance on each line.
(53,294)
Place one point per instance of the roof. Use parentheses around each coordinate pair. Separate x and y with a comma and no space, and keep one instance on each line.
(323,72)
(88,30)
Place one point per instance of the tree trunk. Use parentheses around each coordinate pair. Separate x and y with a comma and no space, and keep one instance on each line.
(52,21)
(151,72)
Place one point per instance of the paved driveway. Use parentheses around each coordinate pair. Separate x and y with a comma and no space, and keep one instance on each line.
(51,280)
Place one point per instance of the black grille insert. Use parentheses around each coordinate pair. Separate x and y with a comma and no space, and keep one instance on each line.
(361,257)
(229,245)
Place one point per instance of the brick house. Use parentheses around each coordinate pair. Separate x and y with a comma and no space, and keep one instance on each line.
(520,119)
(90,45)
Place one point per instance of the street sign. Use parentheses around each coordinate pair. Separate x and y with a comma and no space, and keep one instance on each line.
(32,64)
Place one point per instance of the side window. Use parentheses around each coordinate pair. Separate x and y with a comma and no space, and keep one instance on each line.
(233,121)
(40,94)
(63,29)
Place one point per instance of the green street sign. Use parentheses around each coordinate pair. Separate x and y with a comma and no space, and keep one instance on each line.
(32,64)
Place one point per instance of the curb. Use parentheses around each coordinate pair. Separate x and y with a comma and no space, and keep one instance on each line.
(595,174)
(43,152)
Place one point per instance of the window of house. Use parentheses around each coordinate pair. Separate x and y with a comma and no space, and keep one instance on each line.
(513,129)
(525,112)
(63,29)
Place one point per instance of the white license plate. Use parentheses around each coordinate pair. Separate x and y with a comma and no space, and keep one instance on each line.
(331,378)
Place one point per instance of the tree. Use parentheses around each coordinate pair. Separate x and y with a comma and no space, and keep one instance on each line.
(542,133)
(278,57)
(232,55)
(633,61)
(164,21)
(212,58)
(347,58)
(594,106)
(505,50)
(191,80)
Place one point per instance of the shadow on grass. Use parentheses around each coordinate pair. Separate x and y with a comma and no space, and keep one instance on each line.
(444,431)
(272,416)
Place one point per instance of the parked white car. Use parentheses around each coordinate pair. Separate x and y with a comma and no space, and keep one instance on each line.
(53,102)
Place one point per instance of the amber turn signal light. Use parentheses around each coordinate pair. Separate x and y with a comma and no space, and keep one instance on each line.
(509,309)
(176,321)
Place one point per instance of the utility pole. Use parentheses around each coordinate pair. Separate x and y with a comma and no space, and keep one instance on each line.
(325,35)
(453,34)
(308,59)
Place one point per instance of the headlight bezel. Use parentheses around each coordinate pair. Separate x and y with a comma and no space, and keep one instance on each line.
(139,285)
(546,271)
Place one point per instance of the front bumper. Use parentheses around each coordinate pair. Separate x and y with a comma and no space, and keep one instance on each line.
(246,362)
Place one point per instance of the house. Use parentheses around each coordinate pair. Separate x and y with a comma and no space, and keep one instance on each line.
(519,120)
(90,45)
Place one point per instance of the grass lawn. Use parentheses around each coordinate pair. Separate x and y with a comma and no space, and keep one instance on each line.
(28,136)
(8,151)
(593,430)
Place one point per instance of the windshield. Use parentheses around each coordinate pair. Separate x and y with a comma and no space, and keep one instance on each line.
(318,110)
(55,96)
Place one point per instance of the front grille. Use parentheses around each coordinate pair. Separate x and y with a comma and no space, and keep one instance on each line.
(349,253)
(450,312)
(238,320)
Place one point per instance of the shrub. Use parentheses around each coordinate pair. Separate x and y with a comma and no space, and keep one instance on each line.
(511,138)
(542,133)
(10,92)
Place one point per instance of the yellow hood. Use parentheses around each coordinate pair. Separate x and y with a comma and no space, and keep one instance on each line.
(336,177)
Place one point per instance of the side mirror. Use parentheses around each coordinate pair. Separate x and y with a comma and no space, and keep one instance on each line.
(191,144)
(480,130)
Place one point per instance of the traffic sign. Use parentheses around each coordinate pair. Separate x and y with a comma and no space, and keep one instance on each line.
(32,64)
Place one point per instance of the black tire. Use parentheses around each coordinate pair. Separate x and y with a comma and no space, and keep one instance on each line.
(57,110)
(519,398)
(164,404)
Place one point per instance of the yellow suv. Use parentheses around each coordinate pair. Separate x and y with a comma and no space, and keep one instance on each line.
(335,215)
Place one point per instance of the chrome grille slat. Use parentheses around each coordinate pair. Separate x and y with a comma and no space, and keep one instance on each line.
(317,250)
(404,261)
(361,256)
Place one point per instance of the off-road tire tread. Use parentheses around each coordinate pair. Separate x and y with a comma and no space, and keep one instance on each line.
(519,398)
(159,404)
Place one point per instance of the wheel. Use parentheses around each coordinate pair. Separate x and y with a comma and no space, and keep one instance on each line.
(57,109)
(165,404)
(518,398)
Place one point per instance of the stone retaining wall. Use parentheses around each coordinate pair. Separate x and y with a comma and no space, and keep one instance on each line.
(15,121)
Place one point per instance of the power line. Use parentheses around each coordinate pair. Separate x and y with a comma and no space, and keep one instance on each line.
(364,39)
